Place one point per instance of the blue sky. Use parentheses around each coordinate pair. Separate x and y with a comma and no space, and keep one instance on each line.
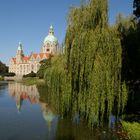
(28,21)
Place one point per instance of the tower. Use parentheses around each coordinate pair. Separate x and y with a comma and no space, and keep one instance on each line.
(50,44)
(19,53)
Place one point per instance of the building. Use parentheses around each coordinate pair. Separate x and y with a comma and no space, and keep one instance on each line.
(22,65)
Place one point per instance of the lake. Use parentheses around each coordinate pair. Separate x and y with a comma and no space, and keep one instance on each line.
(29,113)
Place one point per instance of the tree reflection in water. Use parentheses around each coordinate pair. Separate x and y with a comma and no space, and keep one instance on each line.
(63,120)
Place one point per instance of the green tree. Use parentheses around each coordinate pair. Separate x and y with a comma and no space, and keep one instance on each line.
(44,65)
(3,68)
(136,6)
(88,75)
(129,31)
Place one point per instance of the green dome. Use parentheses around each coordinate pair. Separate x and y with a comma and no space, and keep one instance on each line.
(51,39)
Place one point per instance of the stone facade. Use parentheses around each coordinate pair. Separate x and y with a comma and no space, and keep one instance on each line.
(22,65)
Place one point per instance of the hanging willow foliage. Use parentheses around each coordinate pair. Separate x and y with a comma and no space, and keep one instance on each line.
(89,80)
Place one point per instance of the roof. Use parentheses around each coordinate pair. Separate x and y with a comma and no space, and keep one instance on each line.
(14,60)
(40,55)
(35,57)
(25,58)
(51,39)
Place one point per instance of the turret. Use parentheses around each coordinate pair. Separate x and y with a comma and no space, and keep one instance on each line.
(19,54)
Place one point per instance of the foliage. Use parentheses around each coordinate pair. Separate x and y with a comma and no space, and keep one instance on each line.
(32,81)
(10,74)
(32,74)
(129,31)
(93,51)
(3,68)
(57,81)
(133,130)
(136,6)
(87,79)
(44,65)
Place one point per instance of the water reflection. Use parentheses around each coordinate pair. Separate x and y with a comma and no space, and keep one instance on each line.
(60,125)
(3,86)
(51,120)
(30,94)
(22,92)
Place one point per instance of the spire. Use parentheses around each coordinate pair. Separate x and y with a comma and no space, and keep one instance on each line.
(20,46)
(51,30)
(19,49)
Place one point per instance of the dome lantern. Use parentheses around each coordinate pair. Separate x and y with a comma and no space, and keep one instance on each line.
(51,30)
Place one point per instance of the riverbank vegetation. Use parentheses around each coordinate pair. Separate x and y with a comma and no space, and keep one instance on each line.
(98,75)
(31,81)
(132,130)
(89,73)
(3,70)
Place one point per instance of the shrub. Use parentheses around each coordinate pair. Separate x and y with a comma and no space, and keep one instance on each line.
(32,74)
(132,129)
(10,74)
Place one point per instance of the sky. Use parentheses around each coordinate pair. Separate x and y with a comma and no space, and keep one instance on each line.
(28,21)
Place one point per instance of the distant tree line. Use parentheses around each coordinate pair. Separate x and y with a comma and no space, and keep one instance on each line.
(3,68)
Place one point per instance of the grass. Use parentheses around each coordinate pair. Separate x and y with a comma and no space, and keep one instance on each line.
(32,81)
(132,129)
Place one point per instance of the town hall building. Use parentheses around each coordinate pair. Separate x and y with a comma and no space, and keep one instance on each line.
(22,65)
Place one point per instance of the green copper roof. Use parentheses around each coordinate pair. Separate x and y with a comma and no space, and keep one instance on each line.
(20,46)
(51,38)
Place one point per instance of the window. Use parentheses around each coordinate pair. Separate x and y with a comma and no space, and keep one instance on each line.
(48,50)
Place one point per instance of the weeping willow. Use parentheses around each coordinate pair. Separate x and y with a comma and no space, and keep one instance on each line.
(88,76)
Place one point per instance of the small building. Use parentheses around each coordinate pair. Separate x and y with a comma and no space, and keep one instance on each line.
(22,65)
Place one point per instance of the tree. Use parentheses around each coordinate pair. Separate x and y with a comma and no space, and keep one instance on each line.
(3,68)
(136,6)
(44,65)
(129,31)
(88,75)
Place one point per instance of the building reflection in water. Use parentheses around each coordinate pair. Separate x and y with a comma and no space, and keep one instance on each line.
(22,92)
(30,93)
(51,120)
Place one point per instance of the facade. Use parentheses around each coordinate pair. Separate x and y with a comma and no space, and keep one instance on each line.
(22,65)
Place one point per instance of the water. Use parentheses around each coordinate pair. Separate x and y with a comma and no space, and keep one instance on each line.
(25,114)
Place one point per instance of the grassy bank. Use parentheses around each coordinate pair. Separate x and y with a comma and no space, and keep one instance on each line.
(132,130)
(31,81)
